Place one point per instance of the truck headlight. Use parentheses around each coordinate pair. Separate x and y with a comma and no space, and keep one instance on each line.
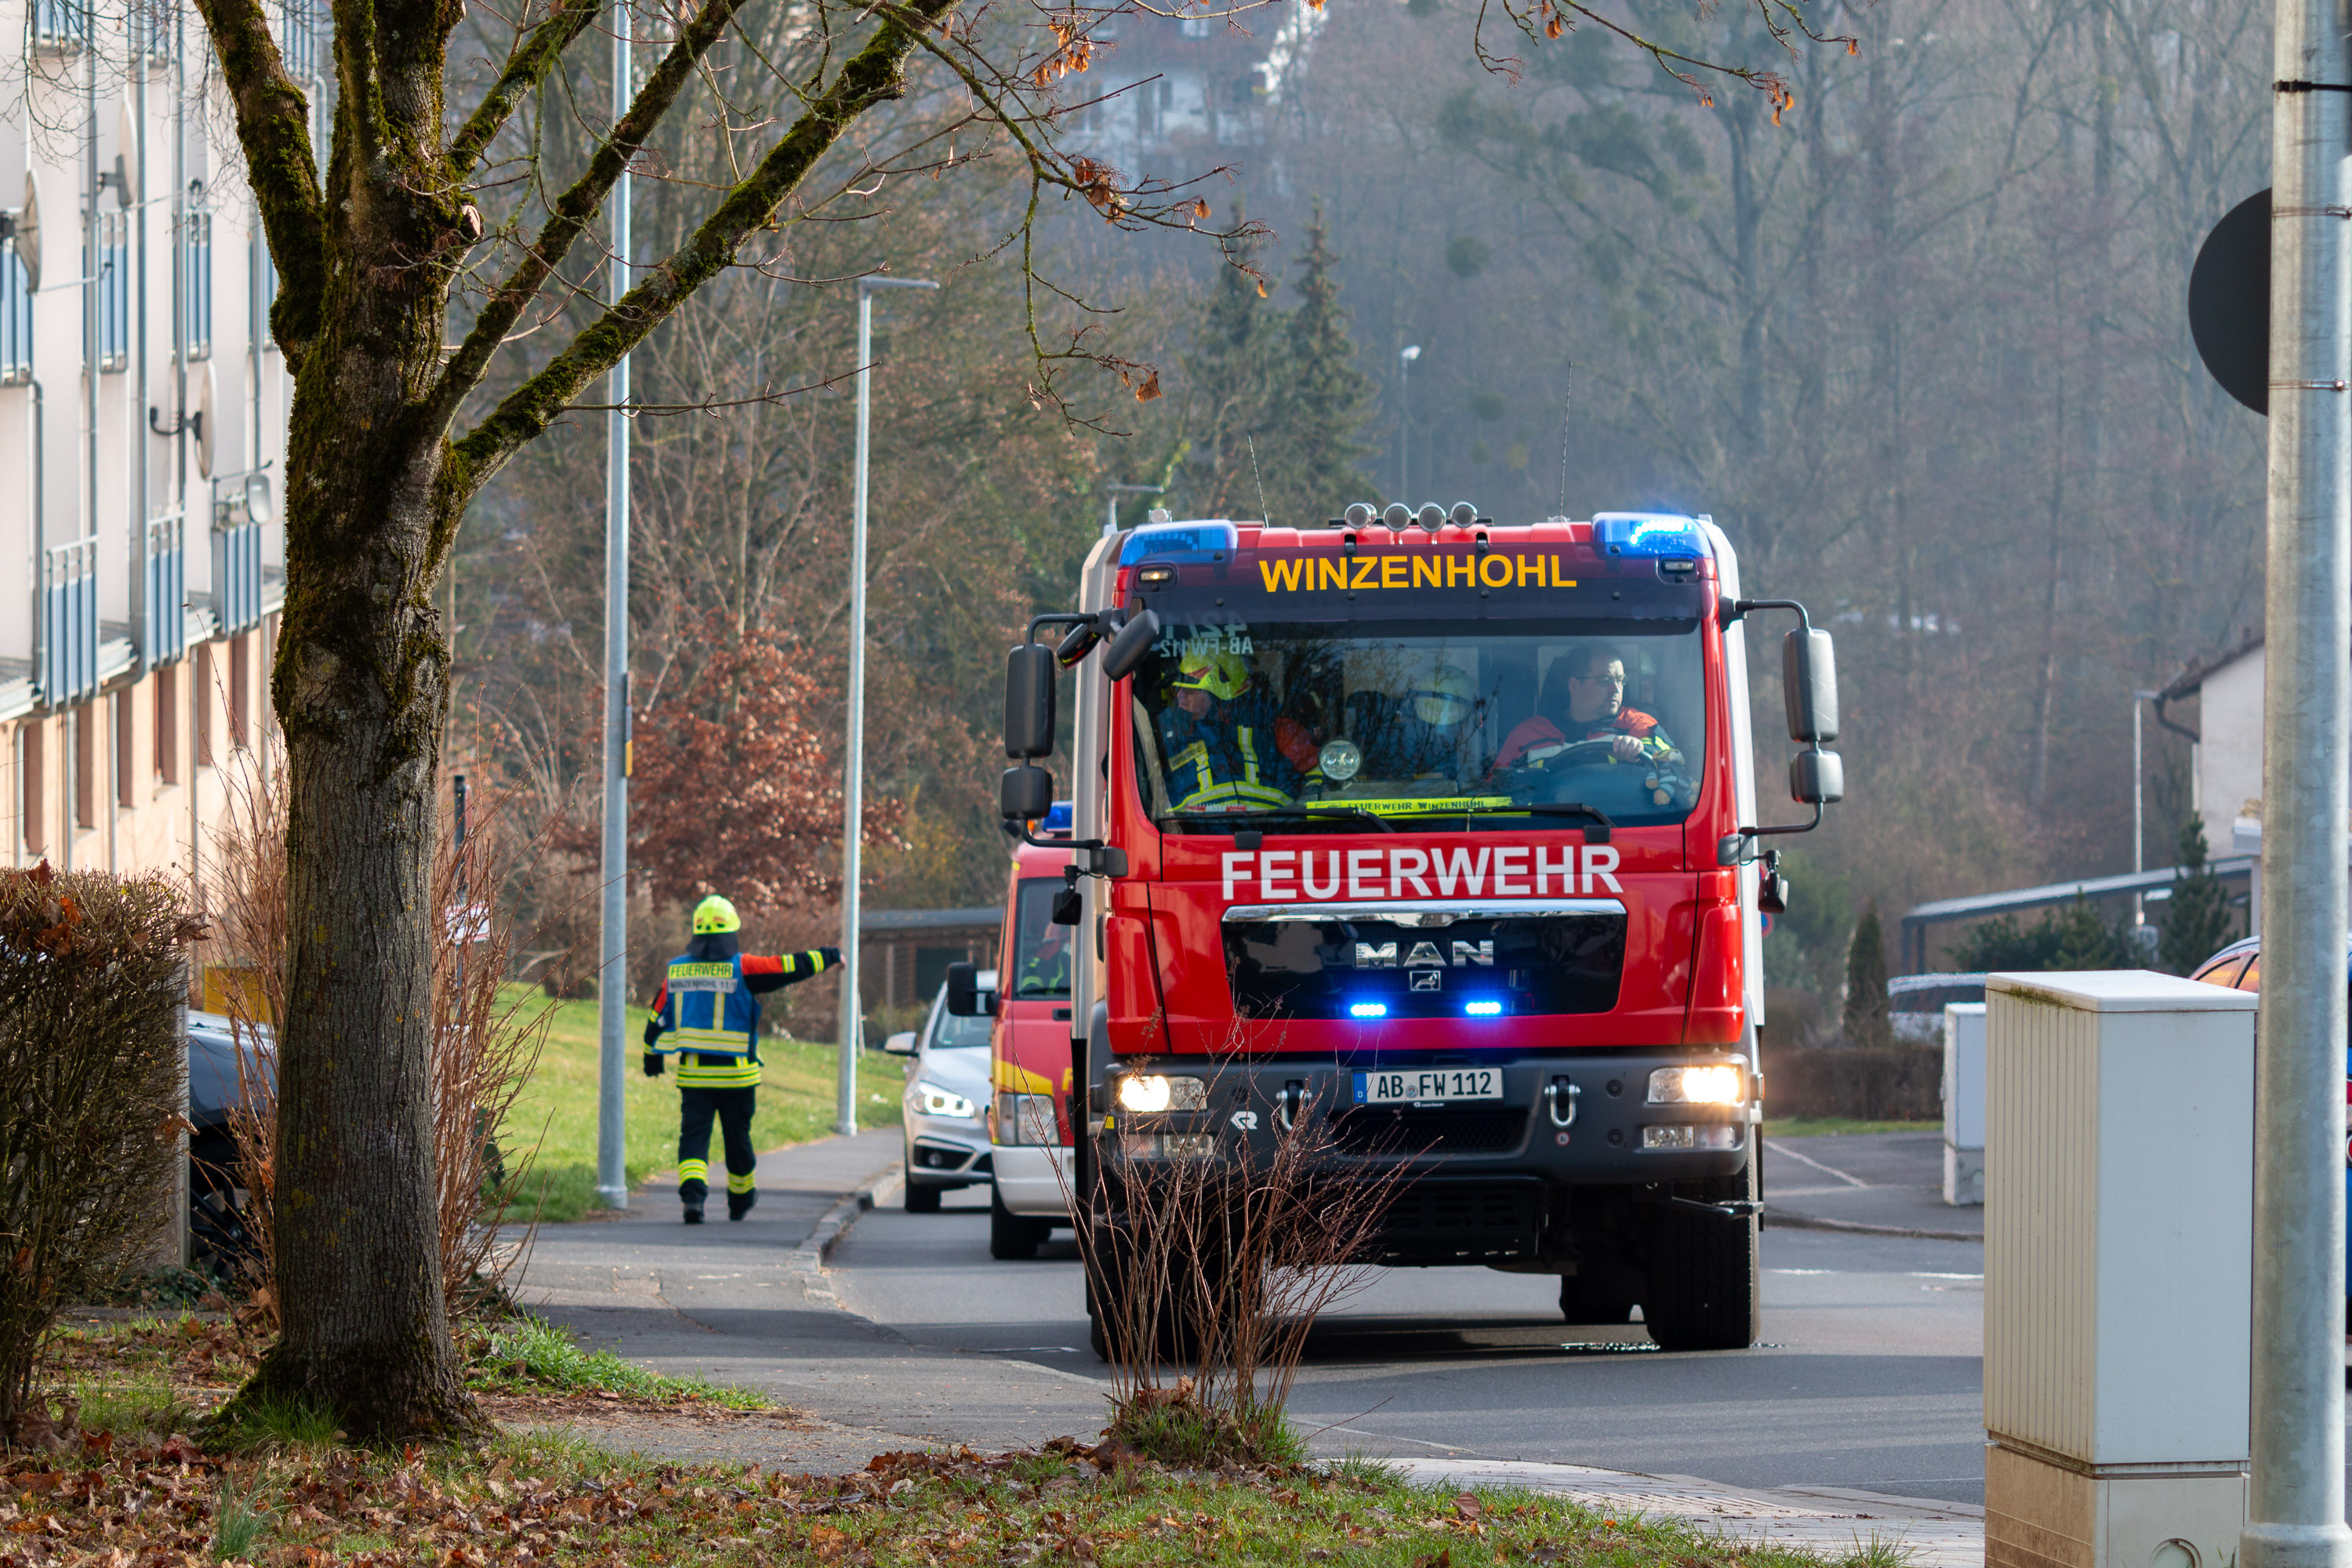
(938,1101)
(1024,1119)
(1148,1092)
(1719,1084)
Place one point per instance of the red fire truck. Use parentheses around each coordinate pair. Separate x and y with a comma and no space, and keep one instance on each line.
(1444,831)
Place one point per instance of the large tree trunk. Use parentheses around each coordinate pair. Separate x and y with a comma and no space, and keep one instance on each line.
(361,688)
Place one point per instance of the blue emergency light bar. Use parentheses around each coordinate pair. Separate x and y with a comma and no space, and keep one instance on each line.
(1181,543)
(1648,534)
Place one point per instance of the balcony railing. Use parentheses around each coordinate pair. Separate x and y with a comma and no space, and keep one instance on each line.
(164,638)
(297,28)
(61,24)
(237,573)
(68,665)
(197,282)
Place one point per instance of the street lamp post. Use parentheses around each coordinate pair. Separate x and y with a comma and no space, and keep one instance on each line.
(2139,834)
(1410,352)
(1110,504)
(613,945)
(853,791)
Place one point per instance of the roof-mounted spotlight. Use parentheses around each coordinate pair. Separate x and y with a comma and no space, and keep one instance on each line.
(1432,516)
(1463,514)
(1359,514)
(1399,517)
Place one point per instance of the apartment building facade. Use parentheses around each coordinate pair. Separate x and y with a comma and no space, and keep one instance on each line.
(143,427)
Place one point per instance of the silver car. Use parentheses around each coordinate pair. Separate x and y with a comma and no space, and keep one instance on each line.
(1914,1004)
(947,1093)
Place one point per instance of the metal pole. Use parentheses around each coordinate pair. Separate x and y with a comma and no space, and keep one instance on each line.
(2139,833)
(2294,1500)
(1110,501)
(613,966)
(1410,352)
(853,789)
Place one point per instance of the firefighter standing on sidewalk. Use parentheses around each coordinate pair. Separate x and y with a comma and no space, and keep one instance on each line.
(707,1004)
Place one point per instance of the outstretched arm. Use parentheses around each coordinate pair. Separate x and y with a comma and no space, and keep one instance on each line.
(761,975)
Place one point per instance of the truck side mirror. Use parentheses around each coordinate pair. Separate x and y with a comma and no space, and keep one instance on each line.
(965,998)
(1815,778)
(1809,682)
(1029,702)
(1025,793)
(1127,649)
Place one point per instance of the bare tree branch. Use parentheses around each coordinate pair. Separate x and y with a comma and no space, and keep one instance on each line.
(273,127)
(536,51)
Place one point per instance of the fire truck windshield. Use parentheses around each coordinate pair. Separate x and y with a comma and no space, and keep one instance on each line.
(1041,960)
(1436,727)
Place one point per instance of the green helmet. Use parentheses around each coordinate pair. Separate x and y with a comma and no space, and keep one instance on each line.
(1223,676)
(715,914)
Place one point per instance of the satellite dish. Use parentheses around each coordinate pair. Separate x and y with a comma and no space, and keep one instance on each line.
(200,414)
(28,232)
(126,158)
(257,504)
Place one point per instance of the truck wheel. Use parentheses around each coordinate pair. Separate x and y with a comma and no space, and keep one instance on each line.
(1703,1275)
(1011,1238)
(923,1200)
(1580,1303)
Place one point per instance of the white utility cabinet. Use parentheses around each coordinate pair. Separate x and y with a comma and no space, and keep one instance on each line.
(1964,1101)
(2118,1270)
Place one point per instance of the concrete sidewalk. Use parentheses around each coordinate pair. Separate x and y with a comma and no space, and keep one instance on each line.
(1882,1183)
(751,1304)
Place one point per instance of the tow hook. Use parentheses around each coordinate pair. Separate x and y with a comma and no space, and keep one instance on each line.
(1560,1096)
(1290,1102)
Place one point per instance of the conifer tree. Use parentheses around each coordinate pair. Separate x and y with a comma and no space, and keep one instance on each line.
(1232,374)
(1866,1020)
(1315,465)
(2196,919)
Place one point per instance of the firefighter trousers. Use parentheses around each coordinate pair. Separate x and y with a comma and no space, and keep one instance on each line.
(733,1108)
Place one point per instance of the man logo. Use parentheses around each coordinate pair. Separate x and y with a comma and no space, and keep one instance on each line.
(1383,955)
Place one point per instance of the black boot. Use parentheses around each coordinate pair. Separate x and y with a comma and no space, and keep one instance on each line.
(694,1211)
(739,1204)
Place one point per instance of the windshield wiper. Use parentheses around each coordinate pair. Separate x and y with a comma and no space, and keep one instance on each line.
(1597,834)
(1247,821)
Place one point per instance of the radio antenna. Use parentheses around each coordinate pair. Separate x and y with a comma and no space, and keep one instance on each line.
(1567,406)
(1259,477)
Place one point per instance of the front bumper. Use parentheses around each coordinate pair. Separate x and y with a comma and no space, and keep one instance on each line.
(1571,1120)
(946,1151)
(1026,1181)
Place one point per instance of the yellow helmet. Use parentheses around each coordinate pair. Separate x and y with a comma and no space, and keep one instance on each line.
(1446,697)
(715,914)
(1223,676)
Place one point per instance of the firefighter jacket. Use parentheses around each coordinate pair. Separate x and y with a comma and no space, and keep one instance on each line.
(1227,760)
(708,1006)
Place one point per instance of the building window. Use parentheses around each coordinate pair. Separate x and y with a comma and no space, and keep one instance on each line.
(61,23)
(197,283)
(85,766)
(240,685)
(265,288)
(204,701)
(114,289)
(15,312)
(32,784)
(126,738)
(167,724)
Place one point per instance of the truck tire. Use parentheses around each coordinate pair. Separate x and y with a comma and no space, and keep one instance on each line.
(1581,1302)
(923,1200)
(1704,1273)
(1011,1238)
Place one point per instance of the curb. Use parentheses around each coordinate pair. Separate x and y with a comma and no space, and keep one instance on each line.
(1781,1219)
(808,1260)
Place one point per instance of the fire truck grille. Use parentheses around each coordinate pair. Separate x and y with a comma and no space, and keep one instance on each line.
(1442,1221)
(1492,1130)
(1366,966)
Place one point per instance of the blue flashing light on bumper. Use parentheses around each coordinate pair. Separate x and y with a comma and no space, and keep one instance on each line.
(1484,1009)
(1368,1009)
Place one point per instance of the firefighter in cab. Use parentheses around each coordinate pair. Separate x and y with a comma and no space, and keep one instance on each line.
(708,1006)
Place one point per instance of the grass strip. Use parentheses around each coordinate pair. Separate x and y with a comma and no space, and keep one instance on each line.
(528,1354)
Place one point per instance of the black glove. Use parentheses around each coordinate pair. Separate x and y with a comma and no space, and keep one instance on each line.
(653,1033)
(653,1064)
(830,955)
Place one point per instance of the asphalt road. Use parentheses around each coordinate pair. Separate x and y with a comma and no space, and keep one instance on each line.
(1870,1377)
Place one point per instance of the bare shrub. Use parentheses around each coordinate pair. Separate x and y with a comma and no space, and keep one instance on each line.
(91,977)
(1210,1270)
(485,1044)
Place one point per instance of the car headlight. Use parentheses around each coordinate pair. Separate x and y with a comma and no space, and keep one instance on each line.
(938,1101)
(1148,1092)
(1719,1084)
